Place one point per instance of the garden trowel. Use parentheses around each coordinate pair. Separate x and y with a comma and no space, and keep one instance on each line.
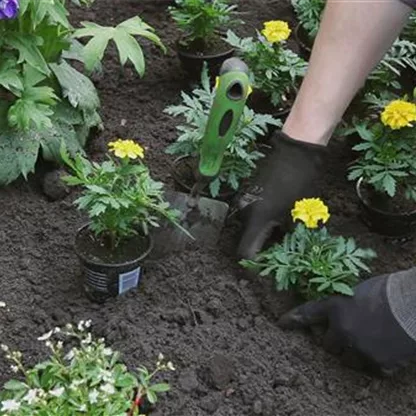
(204,217)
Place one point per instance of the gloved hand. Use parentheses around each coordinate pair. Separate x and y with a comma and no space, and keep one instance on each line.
(288,174)
(374,330)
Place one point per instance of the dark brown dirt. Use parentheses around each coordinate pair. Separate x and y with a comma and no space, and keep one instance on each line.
(217,325)
(99,250)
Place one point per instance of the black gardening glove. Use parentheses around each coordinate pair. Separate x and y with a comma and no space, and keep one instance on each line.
(374,330)
(288,174)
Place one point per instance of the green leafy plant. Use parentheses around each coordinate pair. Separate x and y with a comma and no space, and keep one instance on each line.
(311,261)
(409,32)
(275,69)
(241,156)
(43,98)
(386,160)
(309,14)
(82,376)
(386,75)
(202,20)
(120,197)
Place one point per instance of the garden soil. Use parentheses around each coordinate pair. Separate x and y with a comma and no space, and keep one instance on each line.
(216,323)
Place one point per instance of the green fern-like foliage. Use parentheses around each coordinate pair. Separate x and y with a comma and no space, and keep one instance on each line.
(386,75)
(241,155)
(309,13)
(44,100)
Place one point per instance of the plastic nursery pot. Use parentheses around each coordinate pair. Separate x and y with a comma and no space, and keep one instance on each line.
(184,174)
(109,274)
(303,41)
(381,221)
(192,57)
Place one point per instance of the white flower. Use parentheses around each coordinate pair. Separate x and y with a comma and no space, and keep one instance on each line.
(93,396)
(106,375)
(161,357)
(170,366)
(57,392)
(59,345)
(70,355)
(83,408)
(57,330)
(75,384)
(108,388)
(15,368)
(5,348)
(46,336)
(31,396)
(2,304)
(87,339)
(9,405)
(49,344)
(88,323)
(107,352)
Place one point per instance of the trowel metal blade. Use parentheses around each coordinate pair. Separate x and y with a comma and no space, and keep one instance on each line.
(204,222)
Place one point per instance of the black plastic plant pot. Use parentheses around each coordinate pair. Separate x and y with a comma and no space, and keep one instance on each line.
(381,221)
(192,61)
(184,170)
(303,41)
(107,278)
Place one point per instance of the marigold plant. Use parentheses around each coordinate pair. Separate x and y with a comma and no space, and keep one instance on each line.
(311,261)
(119,195)
(275,70)
(82,376)
(387,152)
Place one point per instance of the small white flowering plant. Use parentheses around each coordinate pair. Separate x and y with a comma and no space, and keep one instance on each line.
(87,378)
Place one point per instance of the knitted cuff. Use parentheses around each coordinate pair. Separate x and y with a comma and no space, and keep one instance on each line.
(401,295)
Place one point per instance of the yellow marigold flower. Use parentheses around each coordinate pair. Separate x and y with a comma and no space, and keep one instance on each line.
(310,211)
(126,148)
(250,90)
(217,82)
(276,31)
(398,114)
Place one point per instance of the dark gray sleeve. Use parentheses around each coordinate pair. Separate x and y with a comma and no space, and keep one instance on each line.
(401,295)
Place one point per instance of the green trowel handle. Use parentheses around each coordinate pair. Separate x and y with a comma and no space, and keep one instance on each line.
(230,98)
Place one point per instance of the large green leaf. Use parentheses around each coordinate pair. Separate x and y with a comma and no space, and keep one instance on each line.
(78,88)
(123,35)
(29,52)
(18,154)
(10,77)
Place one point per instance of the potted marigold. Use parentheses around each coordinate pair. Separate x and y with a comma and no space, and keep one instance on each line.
(309,260)
(202,23)
(276,71)
(123,202)
(82,376)
(241,156)
(386,170)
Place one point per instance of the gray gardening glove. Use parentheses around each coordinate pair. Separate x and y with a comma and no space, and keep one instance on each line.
(288,174)
(375,329)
